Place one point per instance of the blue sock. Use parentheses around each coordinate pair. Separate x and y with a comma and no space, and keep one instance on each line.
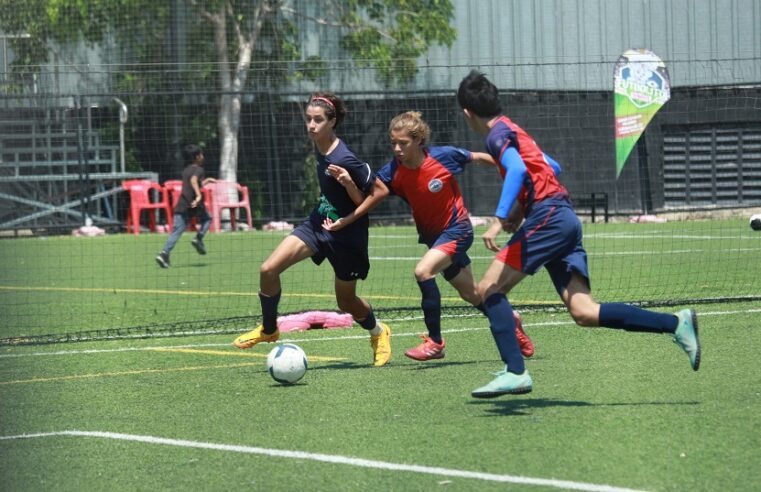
(631,318)
(431,305)
(269,312)
(369,322)
(502,324)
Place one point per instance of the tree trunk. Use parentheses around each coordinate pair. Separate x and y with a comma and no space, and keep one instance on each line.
(231,83)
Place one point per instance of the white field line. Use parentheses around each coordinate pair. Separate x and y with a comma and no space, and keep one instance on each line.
(704,237)
(332,458)
(322,339)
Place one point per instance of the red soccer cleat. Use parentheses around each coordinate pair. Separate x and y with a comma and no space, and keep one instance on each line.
(427,350)
(524,342)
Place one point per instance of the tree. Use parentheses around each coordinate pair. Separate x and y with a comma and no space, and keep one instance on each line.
(386,34)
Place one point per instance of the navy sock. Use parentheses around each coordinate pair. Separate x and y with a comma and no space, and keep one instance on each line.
(269,311)
(481,308)
(502,324)
(431,305)
(631,318)
(369,322)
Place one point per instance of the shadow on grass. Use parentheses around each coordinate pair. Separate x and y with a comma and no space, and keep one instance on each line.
(520,406)
(423,366)
(340,365)
(191,265)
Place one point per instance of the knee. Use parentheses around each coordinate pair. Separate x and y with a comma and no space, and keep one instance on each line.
(472,296)
(485,289)
(267,270)
(423,274)
(585,316)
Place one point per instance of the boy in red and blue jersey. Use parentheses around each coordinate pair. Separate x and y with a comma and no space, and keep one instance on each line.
(425,177)
(536,208)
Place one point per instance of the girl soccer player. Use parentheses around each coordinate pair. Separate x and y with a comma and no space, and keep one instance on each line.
(549,236)
(424,177)
(345,249)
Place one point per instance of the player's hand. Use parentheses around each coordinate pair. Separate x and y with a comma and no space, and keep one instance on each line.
(340,174)
(490,236)
(332,225)
(514,219)
(195,202)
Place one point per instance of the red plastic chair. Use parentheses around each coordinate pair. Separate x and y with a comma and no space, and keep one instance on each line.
(227,195)
(174,188)
(140,199)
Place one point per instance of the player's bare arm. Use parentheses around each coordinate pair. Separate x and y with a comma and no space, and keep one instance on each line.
(483,158)
(514,219)
(197,190)
(377,193)
(209,180)
(490,236)
(509,224)
(341,175)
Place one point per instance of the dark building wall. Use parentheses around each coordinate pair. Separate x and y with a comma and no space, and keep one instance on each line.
(576,128)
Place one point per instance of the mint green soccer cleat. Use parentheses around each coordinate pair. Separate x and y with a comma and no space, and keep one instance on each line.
(686,336)
(505,383)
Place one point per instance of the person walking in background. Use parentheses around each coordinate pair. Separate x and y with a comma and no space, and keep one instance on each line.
(346,249)
(547,233)
(189,205)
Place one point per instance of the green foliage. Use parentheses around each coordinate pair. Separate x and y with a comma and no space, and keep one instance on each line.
(392,34)
(387,34)
(310,192)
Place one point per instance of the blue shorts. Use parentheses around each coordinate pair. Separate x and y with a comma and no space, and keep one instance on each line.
(455,242)
(549,237)
(347,254)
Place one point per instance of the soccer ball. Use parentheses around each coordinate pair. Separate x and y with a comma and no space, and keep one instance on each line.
(287,363)
(755,222)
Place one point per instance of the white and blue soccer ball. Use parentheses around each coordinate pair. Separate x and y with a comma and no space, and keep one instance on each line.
(287,363)
(755,222)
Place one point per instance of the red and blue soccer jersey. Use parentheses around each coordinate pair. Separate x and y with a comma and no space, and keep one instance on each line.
(540,181)
(431,190)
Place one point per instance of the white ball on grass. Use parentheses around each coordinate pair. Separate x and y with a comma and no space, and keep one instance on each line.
(287,363)
(755,222)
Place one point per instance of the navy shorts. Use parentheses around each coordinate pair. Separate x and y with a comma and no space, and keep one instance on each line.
(455,242)
(346,253)
(549,237)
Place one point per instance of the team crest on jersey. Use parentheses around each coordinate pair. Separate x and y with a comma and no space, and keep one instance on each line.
(435,185)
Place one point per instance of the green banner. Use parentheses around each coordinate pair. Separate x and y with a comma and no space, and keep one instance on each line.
(641,87)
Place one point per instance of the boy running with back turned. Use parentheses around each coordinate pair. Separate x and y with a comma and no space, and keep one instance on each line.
(549,235)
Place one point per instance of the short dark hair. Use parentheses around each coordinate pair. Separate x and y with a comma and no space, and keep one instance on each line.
(333,105)
(190,152)
(479,96)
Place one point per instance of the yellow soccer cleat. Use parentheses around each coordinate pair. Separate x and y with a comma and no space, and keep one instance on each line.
(381,346)
(255,336)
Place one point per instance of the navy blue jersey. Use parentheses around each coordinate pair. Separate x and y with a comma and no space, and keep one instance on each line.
(335,202)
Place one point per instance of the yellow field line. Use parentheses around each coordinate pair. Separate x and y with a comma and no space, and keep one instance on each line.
(238,354)
(126,373)
(212,294)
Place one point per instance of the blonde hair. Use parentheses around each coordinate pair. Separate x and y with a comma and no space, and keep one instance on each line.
(412,122)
